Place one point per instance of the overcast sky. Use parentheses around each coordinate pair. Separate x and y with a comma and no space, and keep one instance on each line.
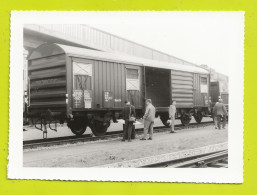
(198,37)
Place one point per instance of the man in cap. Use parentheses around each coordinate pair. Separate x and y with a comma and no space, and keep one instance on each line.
(148,117)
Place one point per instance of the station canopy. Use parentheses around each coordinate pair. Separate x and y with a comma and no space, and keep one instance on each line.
(54,49)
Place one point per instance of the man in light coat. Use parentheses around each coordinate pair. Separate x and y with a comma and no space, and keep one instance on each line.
(149,117)
(221,113)
(172,112)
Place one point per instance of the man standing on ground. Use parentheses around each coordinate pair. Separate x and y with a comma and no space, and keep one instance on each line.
(128,111)
(149,119)
(172,112)
(221,113)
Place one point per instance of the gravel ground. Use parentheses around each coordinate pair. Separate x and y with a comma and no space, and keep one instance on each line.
(107,152)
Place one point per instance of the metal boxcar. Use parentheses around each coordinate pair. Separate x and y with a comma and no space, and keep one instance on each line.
(88,87)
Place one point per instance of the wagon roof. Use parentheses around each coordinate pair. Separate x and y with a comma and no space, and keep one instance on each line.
(114,57)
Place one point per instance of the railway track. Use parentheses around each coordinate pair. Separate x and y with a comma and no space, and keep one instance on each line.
(210,156)
(213,160)
(87,137)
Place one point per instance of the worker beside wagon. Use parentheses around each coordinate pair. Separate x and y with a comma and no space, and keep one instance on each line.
(149,117)
(129,115)
(172,112)
(221,113)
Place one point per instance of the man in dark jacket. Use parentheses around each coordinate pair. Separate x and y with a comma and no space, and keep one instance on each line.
(221,113)
(128,111)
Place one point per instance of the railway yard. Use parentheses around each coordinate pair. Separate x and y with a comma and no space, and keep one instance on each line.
(78,99)
(198,145)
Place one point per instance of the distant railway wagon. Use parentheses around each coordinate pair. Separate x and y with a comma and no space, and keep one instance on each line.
(216,93)
(88,87)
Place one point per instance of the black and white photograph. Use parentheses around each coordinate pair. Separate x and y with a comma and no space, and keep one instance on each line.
(127,96)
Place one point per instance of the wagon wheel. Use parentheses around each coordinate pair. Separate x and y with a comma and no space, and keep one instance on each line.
(99,128)
(185,120)
(78,130)
(198,117)
(77,127)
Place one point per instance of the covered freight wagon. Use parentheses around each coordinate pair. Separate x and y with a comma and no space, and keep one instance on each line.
(88,87)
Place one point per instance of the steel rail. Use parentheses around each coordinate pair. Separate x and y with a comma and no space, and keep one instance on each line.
(87,137)
(200,161)
(203,161)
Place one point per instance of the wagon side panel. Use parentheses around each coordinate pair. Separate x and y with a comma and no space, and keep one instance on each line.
(47,83)
(69,83)
(182,88)
(108,79)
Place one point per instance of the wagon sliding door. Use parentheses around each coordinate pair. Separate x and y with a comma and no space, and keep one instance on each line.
(201,84)
(82,85)
(133,85)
